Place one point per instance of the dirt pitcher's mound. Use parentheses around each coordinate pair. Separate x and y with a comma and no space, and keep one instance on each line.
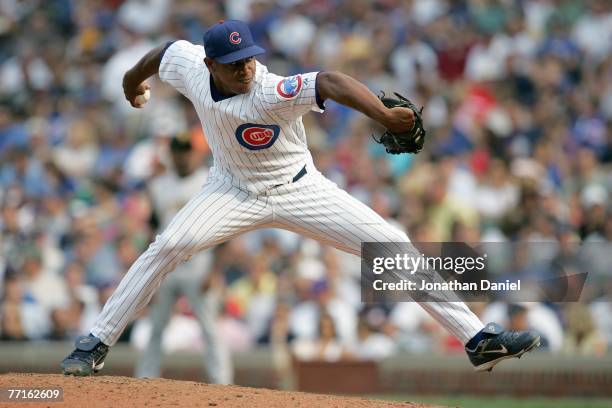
(105,391)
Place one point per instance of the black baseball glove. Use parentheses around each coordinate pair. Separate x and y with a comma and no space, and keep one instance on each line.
(410,141)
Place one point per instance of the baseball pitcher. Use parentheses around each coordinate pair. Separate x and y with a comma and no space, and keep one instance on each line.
(263,177)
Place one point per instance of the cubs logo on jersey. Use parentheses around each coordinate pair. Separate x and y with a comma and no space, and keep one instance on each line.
(289,87)
(257,137)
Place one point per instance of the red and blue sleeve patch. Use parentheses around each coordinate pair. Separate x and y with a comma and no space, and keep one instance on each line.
(290,87)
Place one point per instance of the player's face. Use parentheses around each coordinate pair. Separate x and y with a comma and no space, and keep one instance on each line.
(234,78)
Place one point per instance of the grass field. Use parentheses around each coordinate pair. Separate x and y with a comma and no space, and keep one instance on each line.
(501,402)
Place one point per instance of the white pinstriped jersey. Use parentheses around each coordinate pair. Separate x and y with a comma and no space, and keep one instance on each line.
(257,139)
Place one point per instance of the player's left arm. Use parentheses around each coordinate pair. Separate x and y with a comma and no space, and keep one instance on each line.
(348,91)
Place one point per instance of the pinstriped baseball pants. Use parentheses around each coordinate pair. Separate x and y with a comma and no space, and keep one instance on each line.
(313,206)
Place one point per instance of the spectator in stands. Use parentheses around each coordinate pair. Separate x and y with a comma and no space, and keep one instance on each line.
(326,346)
(305,320)
(21,317)
(254,293)
(371,344)
(46,288)
(82,306)
(534,315)
(581,336)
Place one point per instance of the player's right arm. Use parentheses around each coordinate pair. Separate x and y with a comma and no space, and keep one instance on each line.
(172,61)
(134,79)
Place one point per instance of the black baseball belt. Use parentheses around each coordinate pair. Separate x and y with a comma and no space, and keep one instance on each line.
(295,178)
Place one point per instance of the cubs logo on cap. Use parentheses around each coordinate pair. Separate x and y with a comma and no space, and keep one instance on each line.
(234,37)
(289,87)
(230,41)
(256,137)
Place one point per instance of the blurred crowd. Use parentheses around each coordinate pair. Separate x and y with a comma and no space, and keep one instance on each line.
(518,107)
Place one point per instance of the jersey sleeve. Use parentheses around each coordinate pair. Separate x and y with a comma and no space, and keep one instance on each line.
(179,59)
(293,96)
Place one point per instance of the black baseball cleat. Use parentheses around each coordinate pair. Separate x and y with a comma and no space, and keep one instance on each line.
(496,344)
(87,358)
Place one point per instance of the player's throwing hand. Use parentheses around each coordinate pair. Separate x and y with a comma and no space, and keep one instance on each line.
(132,92)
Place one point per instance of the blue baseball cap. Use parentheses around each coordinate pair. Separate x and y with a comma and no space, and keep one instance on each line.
(230,41)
